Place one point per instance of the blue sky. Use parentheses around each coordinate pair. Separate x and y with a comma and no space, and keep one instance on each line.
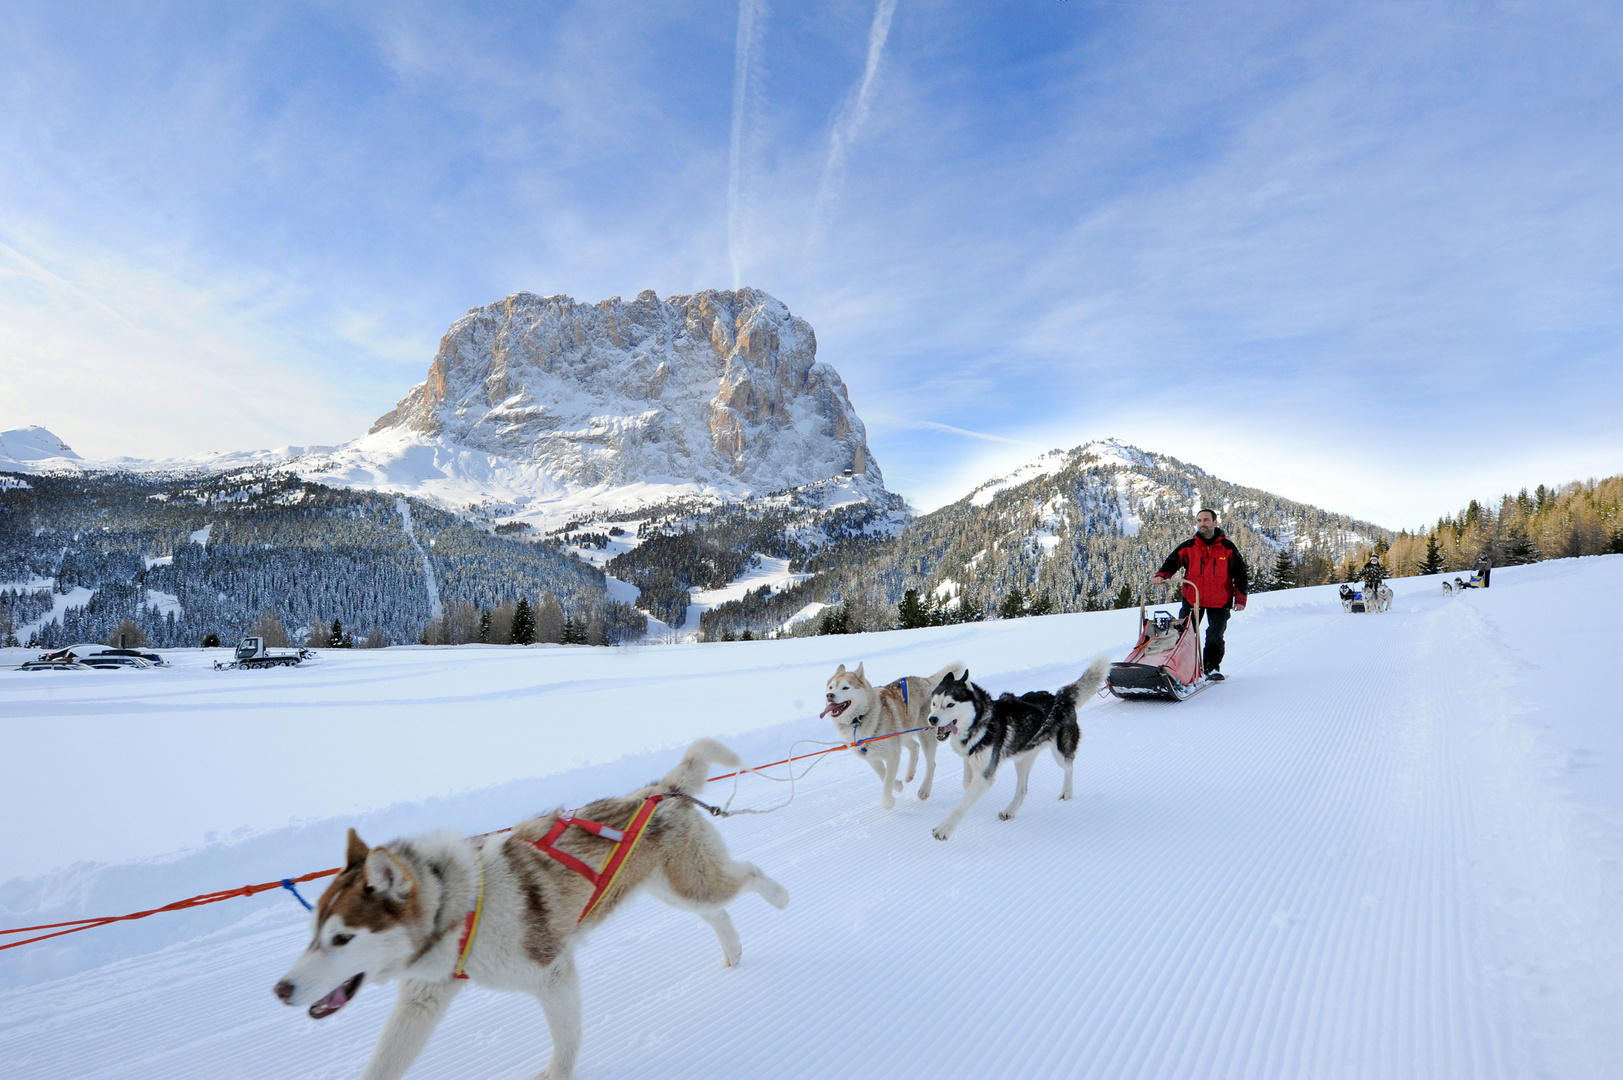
(1368,255)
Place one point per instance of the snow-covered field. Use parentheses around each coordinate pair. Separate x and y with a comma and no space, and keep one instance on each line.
(1389,846)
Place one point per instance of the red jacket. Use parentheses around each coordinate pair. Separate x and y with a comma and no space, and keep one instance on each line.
(1213,566)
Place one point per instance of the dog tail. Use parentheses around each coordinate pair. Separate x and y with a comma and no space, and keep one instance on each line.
(691,774)
(1090,681)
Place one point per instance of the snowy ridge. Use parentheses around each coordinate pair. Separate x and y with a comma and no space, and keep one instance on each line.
(1351,860)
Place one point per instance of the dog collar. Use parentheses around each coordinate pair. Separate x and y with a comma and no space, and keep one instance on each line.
(471,926)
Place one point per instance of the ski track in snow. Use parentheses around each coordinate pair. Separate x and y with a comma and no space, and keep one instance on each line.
(435,608)
(1345,862)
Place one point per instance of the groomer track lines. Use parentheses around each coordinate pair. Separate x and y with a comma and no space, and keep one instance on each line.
(1365,855)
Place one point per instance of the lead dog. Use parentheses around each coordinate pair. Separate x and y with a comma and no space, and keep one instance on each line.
(986,732)
(412,910)
(860,711)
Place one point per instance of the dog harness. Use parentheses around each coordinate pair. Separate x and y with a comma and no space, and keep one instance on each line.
(625,842)
(471,926)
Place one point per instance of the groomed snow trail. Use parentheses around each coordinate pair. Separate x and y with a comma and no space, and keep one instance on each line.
(1344,862)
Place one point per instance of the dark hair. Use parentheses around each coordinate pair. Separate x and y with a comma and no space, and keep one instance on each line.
(1207,510)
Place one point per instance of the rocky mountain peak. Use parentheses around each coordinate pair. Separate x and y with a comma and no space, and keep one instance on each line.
(722,388)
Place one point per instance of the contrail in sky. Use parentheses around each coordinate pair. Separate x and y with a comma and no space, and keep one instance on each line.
(746,88)
(849,124)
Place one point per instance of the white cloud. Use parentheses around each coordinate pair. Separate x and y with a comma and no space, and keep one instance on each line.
(125,360)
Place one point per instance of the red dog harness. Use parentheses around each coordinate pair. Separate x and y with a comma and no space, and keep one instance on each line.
(624,844)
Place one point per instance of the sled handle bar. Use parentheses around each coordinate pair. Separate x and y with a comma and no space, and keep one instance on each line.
(1180,586)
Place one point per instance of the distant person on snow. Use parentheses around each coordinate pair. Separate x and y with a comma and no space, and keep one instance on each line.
(1483,566)
(1373,574)
(1212,564)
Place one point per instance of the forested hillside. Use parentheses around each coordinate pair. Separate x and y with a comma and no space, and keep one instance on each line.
(705,545)
(1086,530)
(1549,522)
(188,556)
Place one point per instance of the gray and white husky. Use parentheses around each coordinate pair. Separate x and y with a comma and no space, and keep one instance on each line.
(416,910)
(986,731)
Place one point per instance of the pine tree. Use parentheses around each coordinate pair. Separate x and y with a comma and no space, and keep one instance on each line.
(1284,571)
(211,641)
(1124,596)
(484,626)
(970,609)
(1013,606)
(523,624)
(1433,562)
(910,613)
(746,636)
(1042,605)
(335,638)
(836,620)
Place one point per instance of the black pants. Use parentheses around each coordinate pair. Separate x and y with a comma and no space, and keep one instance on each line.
(1486,574)
(1217,621)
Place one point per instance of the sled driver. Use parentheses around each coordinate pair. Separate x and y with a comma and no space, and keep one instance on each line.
(1373,574)
(1212,564)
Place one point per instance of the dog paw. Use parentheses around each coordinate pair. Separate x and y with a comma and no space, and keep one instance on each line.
(731,959)
(775,894)
(1004,815)
(940,833)
(1065,796)
(924,793)
(898,785)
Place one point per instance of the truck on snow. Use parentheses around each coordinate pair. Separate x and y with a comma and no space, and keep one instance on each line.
(252,653)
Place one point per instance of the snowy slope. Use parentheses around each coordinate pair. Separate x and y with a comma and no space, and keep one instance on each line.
(1390,846)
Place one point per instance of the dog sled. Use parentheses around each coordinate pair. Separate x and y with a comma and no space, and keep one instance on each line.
(1165,664)
(1451,588)
(1358,600)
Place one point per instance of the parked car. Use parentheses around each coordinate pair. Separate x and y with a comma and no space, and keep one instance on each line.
(55,665)
(106,662)
(86,653)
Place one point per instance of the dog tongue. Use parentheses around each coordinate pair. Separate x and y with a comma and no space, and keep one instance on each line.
(826,708)
(332,1002)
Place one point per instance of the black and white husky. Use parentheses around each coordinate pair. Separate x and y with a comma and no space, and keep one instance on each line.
(987,731)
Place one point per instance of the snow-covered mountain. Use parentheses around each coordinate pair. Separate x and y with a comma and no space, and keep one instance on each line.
(1075,527)
(546,409)
(33,449)
(543,409)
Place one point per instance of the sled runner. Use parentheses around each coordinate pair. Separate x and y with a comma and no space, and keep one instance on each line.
(1165,664)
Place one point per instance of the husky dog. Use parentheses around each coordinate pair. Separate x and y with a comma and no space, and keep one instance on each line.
(507,915)
(860,711)
(987,731)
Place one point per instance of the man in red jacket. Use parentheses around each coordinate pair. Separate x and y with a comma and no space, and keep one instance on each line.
(1212,564)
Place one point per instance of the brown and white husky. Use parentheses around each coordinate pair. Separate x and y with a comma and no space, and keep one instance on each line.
(508,914)
(862,711)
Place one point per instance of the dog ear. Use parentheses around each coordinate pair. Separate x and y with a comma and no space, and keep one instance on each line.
(385,875)
(964,678)
(355,854)
(839,671)
(860,675)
